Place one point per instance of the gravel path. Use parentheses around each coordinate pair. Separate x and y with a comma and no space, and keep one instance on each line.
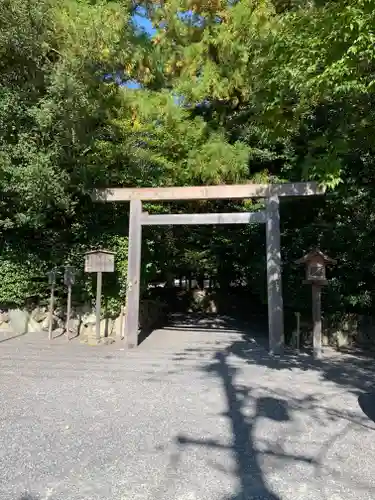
(198,412)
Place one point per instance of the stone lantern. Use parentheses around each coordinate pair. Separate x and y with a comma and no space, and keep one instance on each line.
(315,264)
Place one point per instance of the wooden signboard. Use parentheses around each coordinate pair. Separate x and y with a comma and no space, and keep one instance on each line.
(99,261)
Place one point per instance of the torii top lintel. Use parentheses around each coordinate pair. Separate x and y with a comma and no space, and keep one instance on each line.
(228,191)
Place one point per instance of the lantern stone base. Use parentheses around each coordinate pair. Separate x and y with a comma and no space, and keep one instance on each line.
(93,341)
(90,339)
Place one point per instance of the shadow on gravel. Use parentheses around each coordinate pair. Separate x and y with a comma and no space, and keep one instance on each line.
(354,370)
(367,404)
(248,459)
(13,337)
(354,373)
(278,407)
(248,469)
(212,322)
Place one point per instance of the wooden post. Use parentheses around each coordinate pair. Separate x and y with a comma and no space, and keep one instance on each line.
(120,332)
(298,330)
(274,285)
(69,280)
(98,304)
(315,262)
(317,320)
(50,315)
(68,309)
(134,274)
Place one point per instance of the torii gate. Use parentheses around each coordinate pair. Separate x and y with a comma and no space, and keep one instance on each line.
(270,217)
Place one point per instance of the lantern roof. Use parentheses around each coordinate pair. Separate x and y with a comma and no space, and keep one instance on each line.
(313,254)
(99,250)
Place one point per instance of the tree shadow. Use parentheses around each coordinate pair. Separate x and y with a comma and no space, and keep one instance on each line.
(248,468)
(278,406)
(351,372)
(16,336)
(213,323)
(355,373)
(367,404)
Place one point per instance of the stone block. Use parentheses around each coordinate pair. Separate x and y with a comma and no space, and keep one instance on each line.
(5,326)
(88,328)
(45,324)
(93,341)
(39,314)
(59,312)
(22,322)
(117,324)
(341,338)
(4,317)
(212,308)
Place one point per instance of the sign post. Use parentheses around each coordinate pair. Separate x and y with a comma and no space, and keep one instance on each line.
(98,304)
(52,281)
(317,320)
(99,262)
(69,280)
(316,262)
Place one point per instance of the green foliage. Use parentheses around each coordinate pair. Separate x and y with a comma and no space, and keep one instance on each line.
(259,90)
(18,282)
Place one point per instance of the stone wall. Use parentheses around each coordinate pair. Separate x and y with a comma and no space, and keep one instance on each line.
(82,320)
(344,331)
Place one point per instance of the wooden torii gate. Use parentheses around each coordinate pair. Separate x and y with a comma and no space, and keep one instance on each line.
(270,217)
